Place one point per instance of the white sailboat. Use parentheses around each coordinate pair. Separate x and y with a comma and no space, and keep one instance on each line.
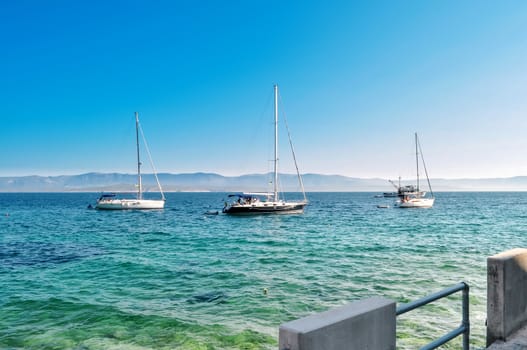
(268,203)
(111,202)
(417,199)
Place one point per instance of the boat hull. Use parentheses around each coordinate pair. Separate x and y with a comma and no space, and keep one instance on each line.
(265,208)
(130,204)
(417,203)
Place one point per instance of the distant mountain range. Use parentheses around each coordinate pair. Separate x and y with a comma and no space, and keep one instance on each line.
(210,182)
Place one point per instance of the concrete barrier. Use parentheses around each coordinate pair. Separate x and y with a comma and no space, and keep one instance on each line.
(506,294)
(367,324)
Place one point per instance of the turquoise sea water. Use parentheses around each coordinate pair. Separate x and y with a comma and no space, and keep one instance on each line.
(73,278)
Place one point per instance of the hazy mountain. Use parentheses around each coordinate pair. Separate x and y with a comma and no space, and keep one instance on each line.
(97,182)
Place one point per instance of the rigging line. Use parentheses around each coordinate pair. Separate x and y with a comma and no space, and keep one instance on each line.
(262,119)
(151,162)
(424,166)
(417,160)
(252,137)
(281,190)
(294,155)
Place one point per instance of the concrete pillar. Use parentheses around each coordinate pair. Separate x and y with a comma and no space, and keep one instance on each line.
(506,294)
(367,324)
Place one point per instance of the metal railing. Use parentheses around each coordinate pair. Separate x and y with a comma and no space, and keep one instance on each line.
(464,328)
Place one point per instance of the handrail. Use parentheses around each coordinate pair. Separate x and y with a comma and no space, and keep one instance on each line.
(464,328)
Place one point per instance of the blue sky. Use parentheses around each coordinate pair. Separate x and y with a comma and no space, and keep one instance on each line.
(356,79)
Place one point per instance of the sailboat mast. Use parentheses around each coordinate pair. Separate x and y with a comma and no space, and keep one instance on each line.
(417,161)
(139,182)
(275,143)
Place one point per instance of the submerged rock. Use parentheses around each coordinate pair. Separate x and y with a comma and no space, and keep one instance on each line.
(208,297)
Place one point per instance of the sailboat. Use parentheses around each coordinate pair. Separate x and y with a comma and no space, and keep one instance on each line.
(417,198)
(111,202)
(268,203)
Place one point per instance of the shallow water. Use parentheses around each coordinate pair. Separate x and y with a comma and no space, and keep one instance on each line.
(74,278)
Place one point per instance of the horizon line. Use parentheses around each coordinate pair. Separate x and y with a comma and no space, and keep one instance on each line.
(264,173)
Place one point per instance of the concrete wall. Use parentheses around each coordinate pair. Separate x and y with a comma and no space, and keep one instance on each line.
(367,324)
(506,294)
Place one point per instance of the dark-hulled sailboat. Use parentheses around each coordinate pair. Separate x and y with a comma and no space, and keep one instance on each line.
(267,203)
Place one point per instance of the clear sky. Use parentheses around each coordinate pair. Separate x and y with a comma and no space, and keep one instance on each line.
(357,79)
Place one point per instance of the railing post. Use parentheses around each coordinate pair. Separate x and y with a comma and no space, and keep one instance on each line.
(466,321)
(463,329)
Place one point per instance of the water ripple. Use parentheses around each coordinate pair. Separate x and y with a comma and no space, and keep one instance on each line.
(180,279)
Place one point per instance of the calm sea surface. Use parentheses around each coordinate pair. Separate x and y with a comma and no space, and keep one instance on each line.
(74,278)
